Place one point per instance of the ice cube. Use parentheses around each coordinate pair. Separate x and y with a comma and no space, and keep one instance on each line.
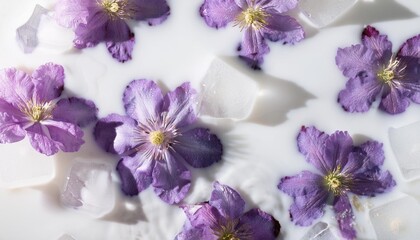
(321,13)
(27,33)
(226,92)
(21,165)
(66,237)
(405,142)
(89,188)
(320,231)
(53,38)
(397,220)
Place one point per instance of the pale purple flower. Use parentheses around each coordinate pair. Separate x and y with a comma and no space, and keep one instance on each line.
(156,138)
(224,217)
(258,20)
(95,21)
(374,71)
(344,169)
(29,105)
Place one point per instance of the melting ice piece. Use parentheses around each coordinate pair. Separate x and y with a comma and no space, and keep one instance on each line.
(21,165)
(89,188)
(66,237)
(320,231)
(323,12)
(226,92)
(27,33)
(405,142)
(54,38)
(397,220)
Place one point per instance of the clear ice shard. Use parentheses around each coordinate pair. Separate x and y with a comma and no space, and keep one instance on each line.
(398,219)
(89,188)
(23,166)
(66,237)
(321,13)
(27,33)
(226,92)
(405,142)
(320,231)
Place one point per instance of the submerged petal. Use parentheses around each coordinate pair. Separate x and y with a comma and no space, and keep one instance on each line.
(143,100)
(179,104)
(378,43)
(283,28)
(410,48)
(121,51)
(202,216)
(311,143)
(228,201)
(372,182)
(93,32)
(135,173)
(199,147)
(394,100)
(75,110)
(253,48)
(261,224)
(16,87)
(337,148)
(10,123)
(218,13)
(48,80)
(71,13)
(359,94)
(344,216)
(303,183)
(155,11)
(357,59)
(171,179)
(280,6)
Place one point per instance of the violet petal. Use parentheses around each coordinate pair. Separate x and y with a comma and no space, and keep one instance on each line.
(135,173)
(48,80)
(16,87)
(218,13)
(263,225)
(303,183)
(284,29)
(344,216)
(179,104)
(337,148)
(359,94)
(121,51)
(306,208)
(280,6)
(378,43)
(394,100)
(171,179)
(228,201)
(311,144)
(155,11)
(411,47)
(75,110)
(202,215)
(253,48)
(10,123)
(355,60)
(372,182)
(143,100)
(93,32)
(70,13)
(117,30)
(199,147)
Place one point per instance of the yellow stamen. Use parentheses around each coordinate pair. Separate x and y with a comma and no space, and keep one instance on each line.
(390,72)
(252,17)
(228,236)
(116,8)
(335,182)
(38,112)
(386,75)
(157,137)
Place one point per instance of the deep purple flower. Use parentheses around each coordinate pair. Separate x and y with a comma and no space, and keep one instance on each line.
(373,70)
(344,169)
(259,20)
(95,21)
(155,138)
(223,218)
(29,106)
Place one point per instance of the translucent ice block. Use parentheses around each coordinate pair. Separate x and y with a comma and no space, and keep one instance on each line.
(397,220)
(27,33)
(21,165)
(226,92)
(89,188)
(320,231)
(405,142)
(66,237)
(324,12)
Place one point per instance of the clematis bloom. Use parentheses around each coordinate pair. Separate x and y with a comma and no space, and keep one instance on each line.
(155,138)
(29,105)
(258,20)
(374,71)
(223,217)
(344,169)
(95,21)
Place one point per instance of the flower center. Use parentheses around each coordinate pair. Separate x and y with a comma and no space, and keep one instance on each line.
(116,8)
(228,236)
(390,72)
(335,182)
(38,112)
(157,138)
(252,17)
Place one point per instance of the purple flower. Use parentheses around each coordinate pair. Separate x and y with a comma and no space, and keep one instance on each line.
(155,138)
(344,169)
(29,106)
(259,20)
(223,217)
(373,70)
(95,21)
